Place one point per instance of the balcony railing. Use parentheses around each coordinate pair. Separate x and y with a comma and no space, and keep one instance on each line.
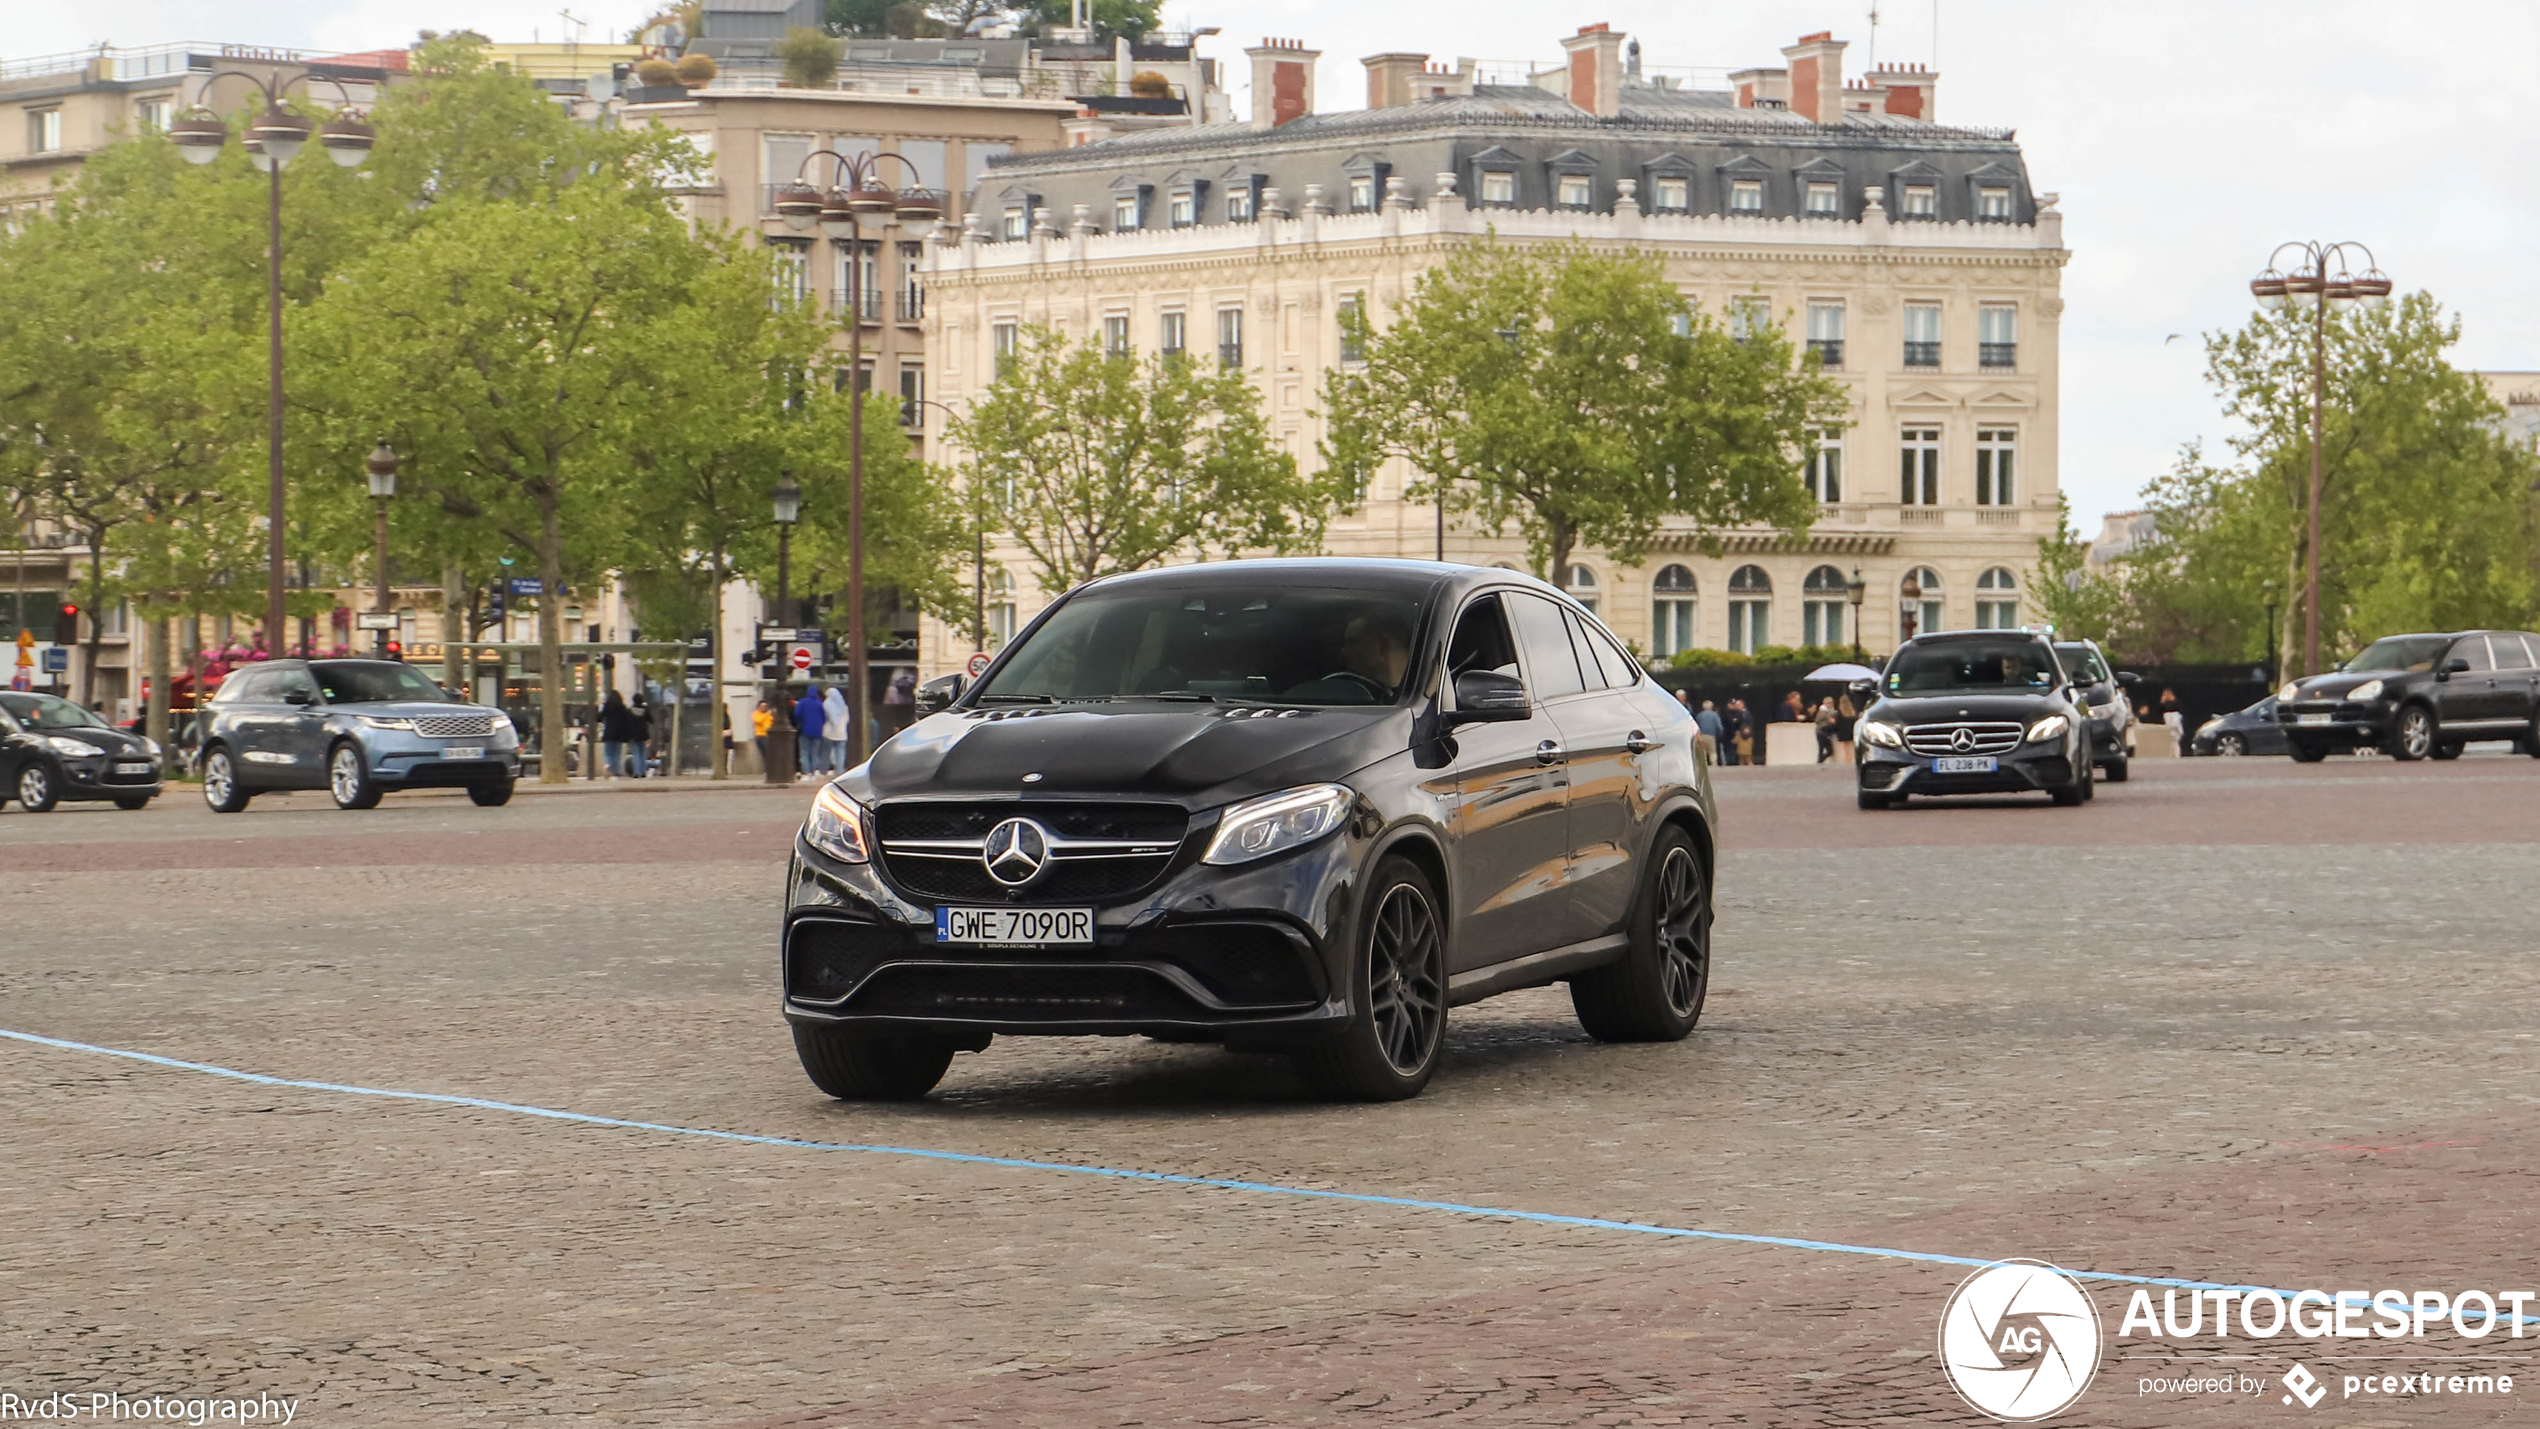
(909,304)
(1829,350)
(1998,355)
(1921,354)
(867,302)
(1918,515)
(1230,355)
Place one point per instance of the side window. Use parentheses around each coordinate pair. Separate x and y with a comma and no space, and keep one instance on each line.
(1481,641)
(1621,672)
(244,688)
(279,684)
(2474,650)
(1589,670)
(1551,665)
(2510,654)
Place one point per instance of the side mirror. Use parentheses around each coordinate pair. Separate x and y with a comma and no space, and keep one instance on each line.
(2129,679)
(937,694)
(1864,687)
(298,697)
(2456,666)
(1487,696)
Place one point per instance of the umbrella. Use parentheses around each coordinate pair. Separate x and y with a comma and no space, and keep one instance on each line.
(1844,672)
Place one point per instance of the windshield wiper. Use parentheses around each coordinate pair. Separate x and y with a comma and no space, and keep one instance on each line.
(1194,696)
(1017,700)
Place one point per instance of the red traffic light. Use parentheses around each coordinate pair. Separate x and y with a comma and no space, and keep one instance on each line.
(66,625)
(395,649)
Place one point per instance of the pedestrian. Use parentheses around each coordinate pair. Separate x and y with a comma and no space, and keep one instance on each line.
(1793,712)
(639,735)
(899,703)
(762,720)
(1685,698)
(2175,719)
(1825,719)
(810,720)
(1845,716)
(833,721)
(1706,733)
(1733,735)
(615,720)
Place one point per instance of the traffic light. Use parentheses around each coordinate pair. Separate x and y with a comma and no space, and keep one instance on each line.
(395,650)
(494,606)
(66,625)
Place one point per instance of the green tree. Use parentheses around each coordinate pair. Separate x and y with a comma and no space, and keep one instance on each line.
(1579,395)
(1097,464)
(810,58)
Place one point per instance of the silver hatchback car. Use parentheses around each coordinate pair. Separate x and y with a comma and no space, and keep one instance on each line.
(355,728)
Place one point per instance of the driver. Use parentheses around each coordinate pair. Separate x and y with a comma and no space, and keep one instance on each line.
(1373,647)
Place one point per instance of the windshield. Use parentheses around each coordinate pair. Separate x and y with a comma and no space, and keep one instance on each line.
(2399,652)
(1218,642)
(1971,665)
(48,712)
(354,682)
(2082,665)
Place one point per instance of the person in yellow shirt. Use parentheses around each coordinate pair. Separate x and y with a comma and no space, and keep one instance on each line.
(762,720)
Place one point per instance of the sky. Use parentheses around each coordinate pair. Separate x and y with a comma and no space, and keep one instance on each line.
(2187,139)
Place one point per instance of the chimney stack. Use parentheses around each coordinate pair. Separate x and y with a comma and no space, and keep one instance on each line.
(1909,90)
(1282,82)
(1596,70)
(1816,77)
(1761,88)
(1390,78)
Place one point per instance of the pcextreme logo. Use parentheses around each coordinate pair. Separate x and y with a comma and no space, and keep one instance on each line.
(2020,1341)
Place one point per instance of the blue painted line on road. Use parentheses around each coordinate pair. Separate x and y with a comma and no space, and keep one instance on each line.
(1166,1178)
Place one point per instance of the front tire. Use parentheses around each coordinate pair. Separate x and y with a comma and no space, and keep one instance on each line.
(348,778)
(491,796)
(2230,746)
(2448,748)
(37,789)
(132,801)
(1655,993)
(2413,737)
(858,1066)
(1396,1032)
(1871,800)
(221,788)
(2305,753)
(2115,770)
(2531,738)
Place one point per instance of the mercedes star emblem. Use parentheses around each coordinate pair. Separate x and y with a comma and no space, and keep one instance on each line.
(1016,851)
(1964,739)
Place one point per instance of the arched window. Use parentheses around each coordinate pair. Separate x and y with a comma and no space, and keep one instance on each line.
(1998,600)
(1822,598)
(1000,608)
(1580,582)
(1671,612)
(1750,609)
(1919,613)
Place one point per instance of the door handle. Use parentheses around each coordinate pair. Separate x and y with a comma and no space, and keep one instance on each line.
(1548,752)
(1638,743)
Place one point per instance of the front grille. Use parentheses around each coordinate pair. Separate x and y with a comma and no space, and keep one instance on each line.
(913,855)
(1021,993)
(1073,880)
(924,819)
(457,726)
(1984,737)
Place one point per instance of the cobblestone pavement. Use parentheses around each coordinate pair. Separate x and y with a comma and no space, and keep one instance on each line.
(2236,1020)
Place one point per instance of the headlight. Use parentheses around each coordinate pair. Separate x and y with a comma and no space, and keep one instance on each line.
(378,722)
(74,748)
(2214,723)
(2292,690)
(1258,828)
(2051,727)
(150,747)
(2368,690)
(502,722)
(836,826)
(1880,733)
(2110,710)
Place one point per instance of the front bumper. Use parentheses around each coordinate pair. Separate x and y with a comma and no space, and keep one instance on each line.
(2026,769)
(2107,739)
(100,778)
(399,760)
(1254,949)
(2335,722)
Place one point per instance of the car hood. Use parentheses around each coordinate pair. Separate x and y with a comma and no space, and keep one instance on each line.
(406,709)
(113,741)
(1195,756)
(2335,684)
(1949,709)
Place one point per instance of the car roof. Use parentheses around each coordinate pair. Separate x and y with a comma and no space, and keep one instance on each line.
(1381,573)
(1944,637)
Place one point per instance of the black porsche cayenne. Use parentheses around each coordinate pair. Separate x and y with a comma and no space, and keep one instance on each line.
(1298,806)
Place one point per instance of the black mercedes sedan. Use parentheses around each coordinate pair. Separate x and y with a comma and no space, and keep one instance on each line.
(52,750)
(1301,806)
(1974,712)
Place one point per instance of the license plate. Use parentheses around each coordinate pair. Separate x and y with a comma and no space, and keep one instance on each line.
(463,751)
(1014,925)
(1974,764)
(2311,719)
(132,768)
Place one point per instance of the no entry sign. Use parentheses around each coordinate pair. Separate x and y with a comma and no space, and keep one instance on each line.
(802,657)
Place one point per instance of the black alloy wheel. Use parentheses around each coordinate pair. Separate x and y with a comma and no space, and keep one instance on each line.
(221,789)
(491,796)
(2230,745)
(1390,1046)
(36,789)
(1655,993)
(856,1065)
(132,801)
(2115,770)
(2413,737)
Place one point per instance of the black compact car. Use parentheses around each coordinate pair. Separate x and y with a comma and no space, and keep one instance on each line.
(2250,731)
(355,728)
(52,750)
(2102,695)
(2414,696)
(1973,712)
(1301,806)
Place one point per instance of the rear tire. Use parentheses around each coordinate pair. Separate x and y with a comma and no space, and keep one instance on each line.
(2531,738)
(490,796)
(2413,737)
(2305,753)
(854,1065)
(37,789)
(348,777)
(221,788)
(2115,769)
(2448,748)
(1396,1032)
(1655,993)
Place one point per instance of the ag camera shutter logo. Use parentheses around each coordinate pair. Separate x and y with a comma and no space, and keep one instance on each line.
(2020,1341)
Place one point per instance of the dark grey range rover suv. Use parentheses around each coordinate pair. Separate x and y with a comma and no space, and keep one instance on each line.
(1300,806)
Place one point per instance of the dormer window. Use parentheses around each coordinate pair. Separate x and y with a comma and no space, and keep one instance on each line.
(1182,207)
(1746,196)
(1499,186)
(1362,192)
(1018,220)
(1672,195)
(1576,191)
(1920,201)
(1825,200)
(1124,212)
(1993,203)
(1239,205)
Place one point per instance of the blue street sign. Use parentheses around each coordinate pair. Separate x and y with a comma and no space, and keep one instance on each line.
(526,585)
(57,661)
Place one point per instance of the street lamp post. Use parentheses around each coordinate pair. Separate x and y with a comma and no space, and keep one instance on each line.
(274,139)
(858,193)
(2311,286)
(783,745)
(382,470)
(788,499)
(1859,590)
